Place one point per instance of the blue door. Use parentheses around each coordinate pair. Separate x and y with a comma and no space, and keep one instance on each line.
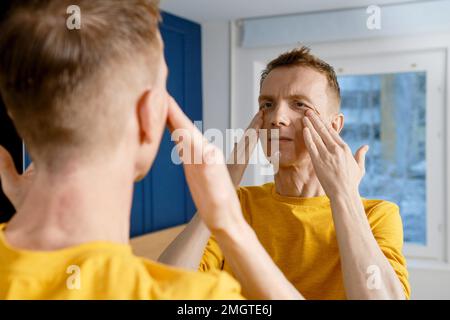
(162,199)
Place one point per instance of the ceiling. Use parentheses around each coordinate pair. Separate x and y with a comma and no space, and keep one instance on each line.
(224,10)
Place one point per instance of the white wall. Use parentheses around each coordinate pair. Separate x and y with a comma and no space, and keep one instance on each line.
(216,75)
(429,284)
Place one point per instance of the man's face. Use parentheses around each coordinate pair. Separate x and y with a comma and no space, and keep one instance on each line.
(286,93)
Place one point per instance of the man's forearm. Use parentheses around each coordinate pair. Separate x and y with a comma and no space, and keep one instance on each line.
(187,249)
(367,272)
(260,278)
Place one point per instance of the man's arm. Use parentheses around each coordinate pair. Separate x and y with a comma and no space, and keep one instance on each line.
(215,197)
(340,174)
(367,272)
(258,275)
(186,251)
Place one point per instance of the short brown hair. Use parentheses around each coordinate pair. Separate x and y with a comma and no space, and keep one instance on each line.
(55,81)
(302,57)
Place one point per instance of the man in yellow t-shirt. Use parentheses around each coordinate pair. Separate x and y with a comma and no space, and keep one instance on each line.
(327,240)
(310,257)
(91,105)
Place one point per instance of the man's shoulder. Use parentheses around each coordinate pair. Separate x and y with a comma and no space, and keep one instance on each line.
(379,204)
(377,208)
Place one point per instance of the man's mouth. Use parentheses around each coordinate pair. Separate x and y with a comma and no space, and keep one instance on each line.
(281,139)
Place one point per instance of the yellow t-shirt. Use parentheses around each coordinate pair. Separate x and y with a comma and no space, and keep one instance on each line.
(299,235)
(102,270)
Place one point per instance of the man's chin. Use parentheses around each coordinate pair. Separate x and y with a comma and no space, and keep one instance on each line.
(285,163)
(282,161)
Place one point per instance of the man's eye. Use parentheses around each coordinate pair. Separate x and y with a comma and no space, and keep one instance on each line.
(299,104)
(265,105)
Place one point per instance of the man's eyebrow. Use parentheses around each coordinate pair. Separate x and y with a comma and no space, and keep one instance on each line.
(299,97)
(265,97)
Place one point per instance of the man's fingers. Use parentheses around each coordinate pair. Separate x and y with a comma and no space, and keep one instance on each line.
(310,145)
(321,128)
(360,156)
(257,121)
(8,172)
(29,170)
(315,137)
(177,120)
(176,117)
(337,137)
(196,148)
(244,148)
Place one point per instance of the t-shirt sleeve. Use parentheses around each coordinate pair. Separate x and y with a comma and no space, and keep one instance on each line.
(387,228)
(213,258)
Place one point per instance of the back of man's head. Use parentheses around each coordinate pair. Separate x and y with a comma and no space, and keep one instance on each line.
(67,88)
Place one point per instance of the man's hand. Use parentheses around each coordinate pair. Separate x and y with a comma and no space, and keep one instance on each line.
(336,168)
(209,181)
(340,174)
(14,185)
(218,205)
(187,249)
(242,151)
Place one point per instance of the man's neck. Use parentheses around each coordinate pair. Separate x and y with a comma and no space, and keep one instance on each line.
(298,181)
(74,207)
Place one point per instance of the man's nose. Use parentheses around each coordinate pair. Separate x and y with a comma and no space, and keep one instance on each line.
(280,117)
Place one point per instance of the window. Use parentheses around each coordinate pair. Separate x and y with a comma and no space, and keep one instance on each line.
(388,112)
(396,104)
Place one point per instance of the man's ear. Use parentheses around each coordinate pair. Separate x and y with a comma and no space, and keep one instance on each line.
(144,117)
(338,122)
(152,115)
